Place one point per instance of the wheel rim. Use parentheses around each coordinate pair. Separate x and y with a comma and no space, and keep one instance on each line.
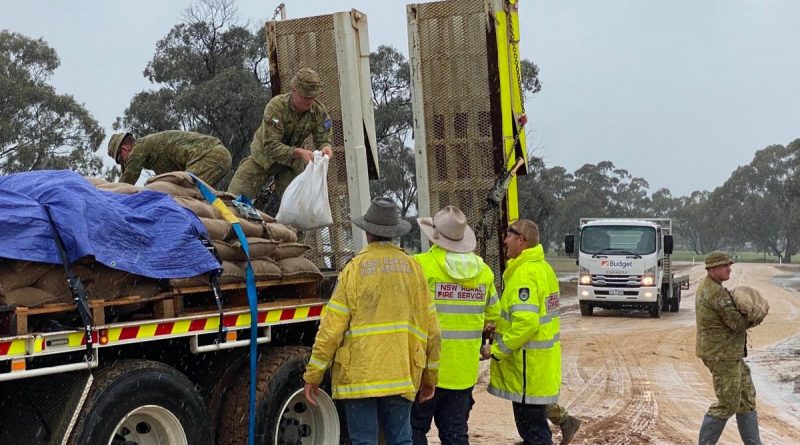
(303,424)
(149,425)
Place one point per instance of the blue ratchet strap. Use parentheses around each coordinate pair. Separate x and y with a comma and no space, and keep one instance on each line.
(251,297)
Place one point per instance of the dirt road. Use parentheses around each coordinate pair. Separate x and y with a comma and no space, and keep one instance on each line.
(635,380)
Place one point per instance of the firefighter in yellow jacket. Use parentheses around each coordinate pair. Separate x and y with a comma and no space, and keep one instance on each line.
(380,332)
(526,354)
(463,289)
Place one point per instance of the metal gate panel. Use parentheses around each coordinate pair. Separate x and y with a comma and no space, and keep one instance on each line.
(456,93)
(336,46)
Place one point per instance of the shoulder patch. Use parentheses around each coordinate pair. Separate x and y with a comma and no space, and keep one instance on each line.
(524,294)
(326,124)
(274,121)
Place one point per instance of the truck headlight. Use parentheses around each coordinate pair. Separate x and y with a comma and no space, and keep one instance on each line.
(584,277)
(649,277)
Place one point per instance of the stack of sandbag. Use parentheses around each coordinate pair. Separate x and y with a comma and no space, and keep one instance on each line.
(32,284)
(274,250)
(750,303)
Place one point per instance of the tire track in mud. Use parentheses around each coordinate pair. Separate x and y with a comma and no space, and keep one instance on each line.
(616,402)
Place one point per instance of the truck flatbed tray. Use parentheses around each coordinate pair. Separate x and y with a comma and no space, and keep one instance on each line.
(15,320)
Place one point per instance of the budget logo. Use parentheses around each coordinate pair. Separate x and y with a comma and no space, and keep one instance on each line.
(604,263)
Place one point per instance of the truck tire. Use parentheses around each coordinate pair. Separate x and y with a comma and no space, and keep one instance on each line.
(676,299)
(586,309)
(655,308)
(142,402)
(283,416)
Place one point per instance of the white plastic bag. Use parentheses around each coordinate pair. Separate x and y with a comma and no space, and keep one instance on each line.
(305,202)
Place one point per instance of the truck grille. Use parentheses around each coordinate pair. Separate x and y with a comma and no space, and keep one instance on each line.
(616,280)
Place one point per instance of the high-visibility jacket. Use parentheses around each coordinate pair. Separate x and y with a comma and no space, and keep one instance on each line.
(379,328)
(526,354)
(463,289)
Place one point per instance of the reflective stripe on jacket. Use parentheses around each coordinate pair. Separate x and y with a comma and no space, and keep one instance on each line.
(526,364)
(463,289)
(379,329)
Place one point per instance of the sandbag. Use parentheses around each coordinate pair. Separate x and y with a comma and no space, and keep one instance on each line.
(200,280)
(144,288)
(54,282)
(259,247)
(174,190)
(181,179)
(17,274)
(30,297)
(118,187)
(218,229)
(95,181)
(231,273)
(289,250)
(299,267)
(264,269)
(251,229)
(228,252)
(750,303)
(280,232)
(199,208)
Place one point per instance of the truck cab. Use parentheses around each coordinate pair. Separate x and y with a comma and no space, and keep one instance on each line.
(624,263)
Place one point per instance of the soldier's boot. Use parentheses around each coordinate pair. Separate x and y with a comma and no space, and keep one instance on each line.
(710,430)
(748,428)
(569,427)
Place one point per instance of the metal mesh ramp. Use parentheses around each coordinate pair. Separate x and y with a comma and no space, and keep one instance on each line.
(456,99)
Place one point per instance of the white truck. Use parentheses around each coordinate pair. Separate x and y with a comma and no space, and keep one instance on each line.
(625,263)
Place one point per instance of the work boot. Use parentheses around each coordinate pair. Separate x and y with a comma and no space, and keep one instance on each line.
(710,430)
(748,428)
(569,427)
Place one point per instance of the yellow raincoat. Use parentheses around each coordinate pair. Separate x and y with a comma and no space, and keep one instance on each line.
(379,329)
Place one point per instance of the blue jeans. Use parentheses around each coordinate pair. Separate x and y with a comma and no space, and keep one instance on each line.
(532,424)
(364,415)
(449,408)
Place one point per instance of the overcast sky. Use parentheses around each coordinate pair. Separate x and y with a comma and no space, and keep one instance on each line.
(678,92)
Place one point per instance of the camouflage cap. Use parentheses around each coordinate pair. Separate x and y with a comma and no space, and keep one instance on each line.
(717,258)
(307,82)
(114,143)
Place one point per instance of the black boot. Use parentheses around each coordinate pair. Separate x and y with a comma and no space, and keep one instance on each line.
(748,428)
(710,430)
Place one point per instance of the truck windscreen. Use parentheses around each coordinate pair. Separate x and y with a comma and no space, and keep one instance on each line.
(633,240)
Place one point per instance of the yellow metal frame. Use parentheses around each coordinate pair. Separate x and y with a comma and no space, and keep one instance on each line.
(510,97)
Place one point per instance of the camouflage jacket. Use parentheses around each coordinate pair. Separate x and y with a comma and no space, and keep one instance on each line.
(167,151)
(721,328)
(283,129)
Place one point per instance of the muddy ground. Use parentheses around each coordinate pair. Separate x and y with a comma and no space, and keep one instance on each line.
(635,379)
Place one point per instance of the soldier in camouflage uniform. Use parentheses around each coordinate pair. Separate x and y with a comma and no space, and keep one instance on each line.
(168,151)
(276,150)
(722,345)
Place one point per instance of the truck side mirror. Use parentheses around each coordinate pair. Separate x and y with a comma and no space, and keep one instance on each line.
(668,244)
(569,244)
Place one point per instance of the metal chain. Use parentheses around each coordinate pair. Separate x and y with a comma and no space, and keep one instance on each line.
(515,52)
(277,11)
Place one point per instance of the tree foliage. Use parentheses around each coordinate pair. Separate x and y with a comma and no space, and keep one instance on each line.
(211,75)
(39,128)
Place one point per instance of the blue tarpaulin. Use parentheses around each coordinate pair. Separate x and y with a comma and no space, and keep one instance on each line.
(146,233)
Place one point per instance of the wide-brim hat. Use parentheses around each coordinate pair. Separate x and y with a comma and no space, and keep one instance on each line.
(449,230)
(114,144)
(718,258)
(382,220)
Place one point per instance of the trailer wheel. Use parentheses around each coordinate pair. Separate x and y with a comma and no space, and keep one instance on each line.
(586,309)
(283,416)
(142,402)
(655,308)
